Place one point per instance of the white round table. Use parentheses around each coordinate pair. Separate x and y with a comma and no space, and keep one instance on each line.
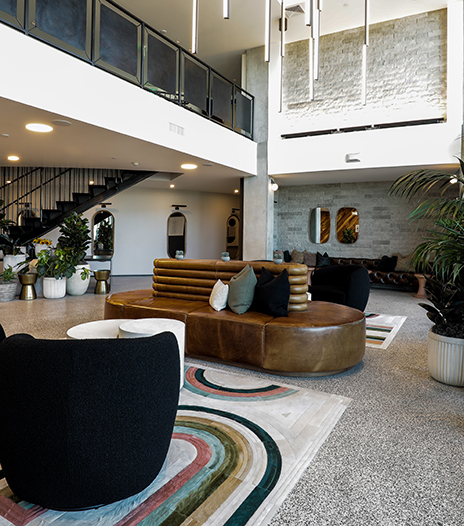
(141,328)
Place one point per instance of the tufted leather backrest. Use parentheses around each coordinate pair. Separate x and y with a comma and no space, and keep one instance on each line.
(194,279)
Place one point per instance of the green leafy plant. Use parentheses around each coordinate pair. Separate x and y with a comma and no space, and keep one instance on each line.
(443,251)
(179,252)
(75,237)
(447,312)
(348,236)
(8,275)
(225,254)
(57,264)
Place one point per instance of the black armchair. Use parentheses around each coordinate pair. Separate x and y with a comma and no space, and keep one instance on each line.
(86,422)
(344,284)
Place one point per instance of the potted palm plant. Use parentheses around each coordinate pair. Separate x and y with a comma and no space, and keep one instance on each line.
(7,284)
(442,253)
(74,240)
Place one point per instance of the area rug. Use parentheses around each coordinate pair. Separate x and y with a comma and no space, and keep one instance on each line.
(240,444)
(381,329)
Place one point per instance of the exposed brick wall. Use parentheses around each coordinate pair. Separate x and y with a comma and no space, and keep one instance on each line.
(406,79)
(383,220)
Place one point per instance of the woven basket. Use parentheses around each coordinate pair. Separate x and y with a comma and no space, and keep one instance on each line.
(8,291)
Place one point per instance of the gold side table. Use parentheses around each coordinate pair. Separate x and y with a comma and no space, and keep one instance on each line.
(102,286)
(27,290)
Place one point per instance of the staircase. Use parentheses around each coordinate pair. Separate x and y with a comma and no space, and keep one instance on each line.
(38,199)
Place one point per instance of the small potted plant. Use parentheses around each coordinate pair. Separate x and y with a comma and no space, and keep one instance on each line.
(55,267)
(225,257)
(179,254)
(277,257)
(7,284)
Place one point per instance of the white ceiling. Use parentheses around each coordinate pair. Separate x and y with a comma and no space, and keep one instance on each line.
(221,43)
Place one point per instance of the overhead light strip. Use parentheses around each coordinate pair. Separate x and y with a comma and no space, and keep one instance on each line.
(364,53)
(226,9)
(267,32)
(195,13)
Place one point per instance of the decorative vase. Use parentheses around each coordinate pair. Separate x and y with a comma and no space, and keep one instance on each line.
(278,261)
(225,259)
(179,257)
(75,285)
(446,359)
(7,291)
(54,288)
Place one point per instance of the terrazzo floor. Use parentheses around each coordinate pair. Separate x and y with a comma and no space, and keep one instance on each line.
(396,455)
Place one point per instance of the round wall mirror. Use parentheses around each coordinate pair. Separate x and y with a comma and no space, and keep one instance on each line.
(103,233)
(347,225)
(319,225)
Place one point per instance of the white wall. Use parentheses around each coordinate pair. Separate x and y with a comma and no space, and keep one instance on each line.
(140,226)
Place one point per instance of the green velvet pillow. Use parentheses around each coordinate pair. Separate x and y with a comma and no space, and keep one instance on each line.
(242,290)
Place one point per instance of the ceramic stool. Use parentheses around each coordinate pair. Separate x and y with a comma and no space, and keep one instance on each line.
(27,290)
(102,286)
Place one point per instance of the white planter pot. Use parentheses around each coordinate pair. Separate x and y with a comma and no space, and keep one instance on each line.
(446,359)
(14,261)
(54,288)
(75,285)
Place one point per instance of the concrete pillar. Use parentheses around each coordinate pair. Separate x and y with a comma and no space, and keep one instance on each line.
(258,198)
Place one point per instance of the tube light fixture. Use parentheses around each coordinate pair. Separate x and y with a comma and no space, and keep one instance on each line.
(311,68)
(226,9)
(316,36)
(282,53)
(267,32)
(195,13)
(309,12)
(364,53)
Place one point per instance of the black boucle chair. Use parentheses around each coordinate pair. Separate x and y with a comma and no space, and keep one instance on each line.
(344,284)
(86,422)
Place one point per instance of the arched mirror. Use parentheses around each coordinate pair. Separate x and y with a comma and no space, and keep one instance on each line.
(233,236)
(103,233)
(347,225)
(319,225)
(177,234)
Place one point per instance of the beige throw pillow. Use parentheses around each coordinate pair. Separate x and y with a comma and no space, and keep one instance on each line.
(219,295)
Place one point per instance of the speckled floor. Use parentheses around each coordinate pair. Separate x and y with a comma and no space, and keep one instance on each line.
(396,455)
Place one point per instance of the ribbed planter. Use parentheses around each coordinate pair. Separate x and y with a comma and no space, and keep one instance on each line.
(54,288)
(7,291)
(446,359)
(75,285)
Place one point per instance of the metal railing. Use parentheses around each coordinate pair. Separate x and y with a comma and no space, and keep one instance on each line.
(109,37)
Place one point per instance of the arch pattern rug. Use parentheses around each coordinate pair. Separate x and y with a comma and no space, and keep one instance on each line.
(239,446)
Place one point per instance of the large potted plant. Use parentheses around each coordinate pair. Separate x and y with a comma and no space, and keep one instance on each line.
(74,240)
(442,254)
(7,284)
(55,266)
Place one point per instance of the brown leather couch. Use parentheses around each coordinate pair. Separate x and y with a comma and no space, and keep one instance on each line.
(317,338)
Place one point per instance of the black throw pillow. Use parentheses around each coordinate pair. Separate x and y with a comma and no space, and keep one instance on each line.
(387,264)
(287,256)
(272,294)
(322,260)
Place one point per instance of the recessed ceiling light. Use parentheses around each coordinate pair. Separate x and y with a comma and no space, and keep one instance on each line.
(172,186)
(163,31)
(37,127)
(4,135)
(13,158)
(8,181)
(236,191)
(91,182)
(188,166)
(61,122)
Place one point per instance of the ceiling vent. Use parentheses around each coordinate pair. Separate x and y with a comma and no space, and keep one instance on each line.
(294,10)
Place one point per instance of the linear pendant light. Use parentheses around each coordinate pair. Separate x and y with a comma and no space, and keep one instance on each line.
(311,68)
(316,35)
(364,53)
(196,10)
(267,32)
(226,9)
(309,13)
(282,53)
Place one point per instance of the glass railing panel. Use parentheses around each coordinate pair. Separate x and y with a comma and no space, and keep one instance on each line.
(221,100)
(12,11)
(67,25)
(118,41)
(195,85)
(161,66)
(243,112)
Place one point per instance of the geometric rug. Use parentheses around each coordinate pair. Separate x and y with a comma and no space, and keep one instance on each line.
(239,446)
(381,329)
